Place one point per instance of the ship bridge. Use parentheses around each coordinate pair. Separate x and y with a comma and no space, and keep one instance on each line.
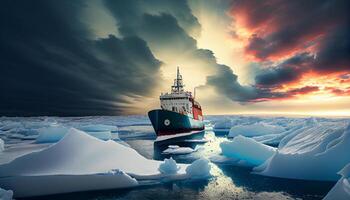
(178,100)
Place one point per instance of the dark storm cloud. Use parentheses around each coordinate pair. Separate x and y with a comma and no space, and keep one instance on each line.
(225,81)
(50,67)
(334,53)
(130,13)
(333,56)
(313,34)
(288,71)
(282,26)
(162,31)
(281,29)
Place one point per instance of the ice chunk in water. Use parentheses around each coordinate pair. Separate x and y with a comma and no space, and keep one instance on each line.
(169,166)
(247,149)
(6,194)
(341,190)
(199,168)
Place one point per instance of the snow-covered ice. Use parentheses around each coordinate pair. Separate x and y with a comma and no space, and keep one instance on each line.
(293,129)
(255,129)
(310,149)
(78,149)
(341,190)
(316,153)
(27,128)
(85,163)
(247,149)
(6,194)
(174,149)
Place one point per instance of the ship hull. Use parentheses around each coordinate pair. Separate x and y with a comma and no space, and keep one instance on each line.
(167,122)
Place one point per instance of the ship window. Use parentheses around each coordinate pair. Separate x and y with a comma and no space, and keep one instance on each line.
(173,109)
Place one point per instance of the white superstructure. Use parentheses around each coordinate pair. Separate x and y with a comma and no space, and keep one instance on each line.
(178,100)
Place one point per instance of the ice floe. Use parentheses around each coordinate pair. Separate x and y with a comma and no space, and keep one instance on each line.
(293,129)
(341,190)
(310,149)
(84,163)
(247,151)
(255,129)
(6,194)
(27,128)
(316,153)
(175,149)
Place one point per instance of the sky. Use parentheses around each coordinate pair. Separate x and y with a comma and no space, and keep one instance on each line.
(106,57)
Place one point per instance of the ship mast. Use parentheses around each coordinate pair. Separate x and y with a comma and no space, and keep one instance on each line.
(178,86)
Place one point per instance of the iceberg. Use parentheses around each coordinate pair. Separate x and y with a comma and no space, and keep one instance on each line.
(247,149)
(255,129)
(83,163)
(341,190)
(174,149)
(6,194)
(316,153)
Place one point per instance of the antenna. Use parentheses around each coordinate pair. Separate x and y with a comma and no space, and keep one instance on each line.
(177,79)
(178,85)
(194,92)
